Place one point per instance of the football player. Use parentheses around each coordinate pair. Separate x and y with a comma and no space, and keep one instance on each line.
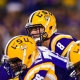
(41,26)
(25,60)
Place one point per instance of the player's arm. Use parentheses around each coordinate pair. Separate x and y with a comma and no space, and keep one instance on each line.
(42,72)
(50,75)
(3,74)
(53,57)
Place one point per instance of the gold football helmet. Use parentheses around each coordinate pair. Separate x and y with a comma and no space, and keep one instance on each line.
(23,48)
(73,57)
(41,19)
(74,53)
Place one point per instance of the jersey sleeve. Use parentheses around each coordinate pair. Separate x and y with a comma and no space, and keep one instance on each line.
(40,71)
(3,74)
(61,44)
(55,58)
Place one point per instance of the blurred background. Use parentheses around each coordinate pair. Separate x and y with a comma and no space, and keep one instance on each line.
(14,13)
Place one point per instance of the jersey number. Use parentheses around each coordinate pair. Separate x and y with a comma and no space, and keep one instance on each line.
(38,77)
(59,45)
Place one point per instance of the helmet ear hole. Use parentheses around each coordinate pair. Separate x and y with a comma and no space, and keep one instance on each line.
(50,27)
(29,56)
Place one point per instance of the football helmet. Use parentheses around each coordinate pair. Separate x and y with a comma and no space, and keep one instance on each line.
(41,19)
(22,47)
(73,57)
